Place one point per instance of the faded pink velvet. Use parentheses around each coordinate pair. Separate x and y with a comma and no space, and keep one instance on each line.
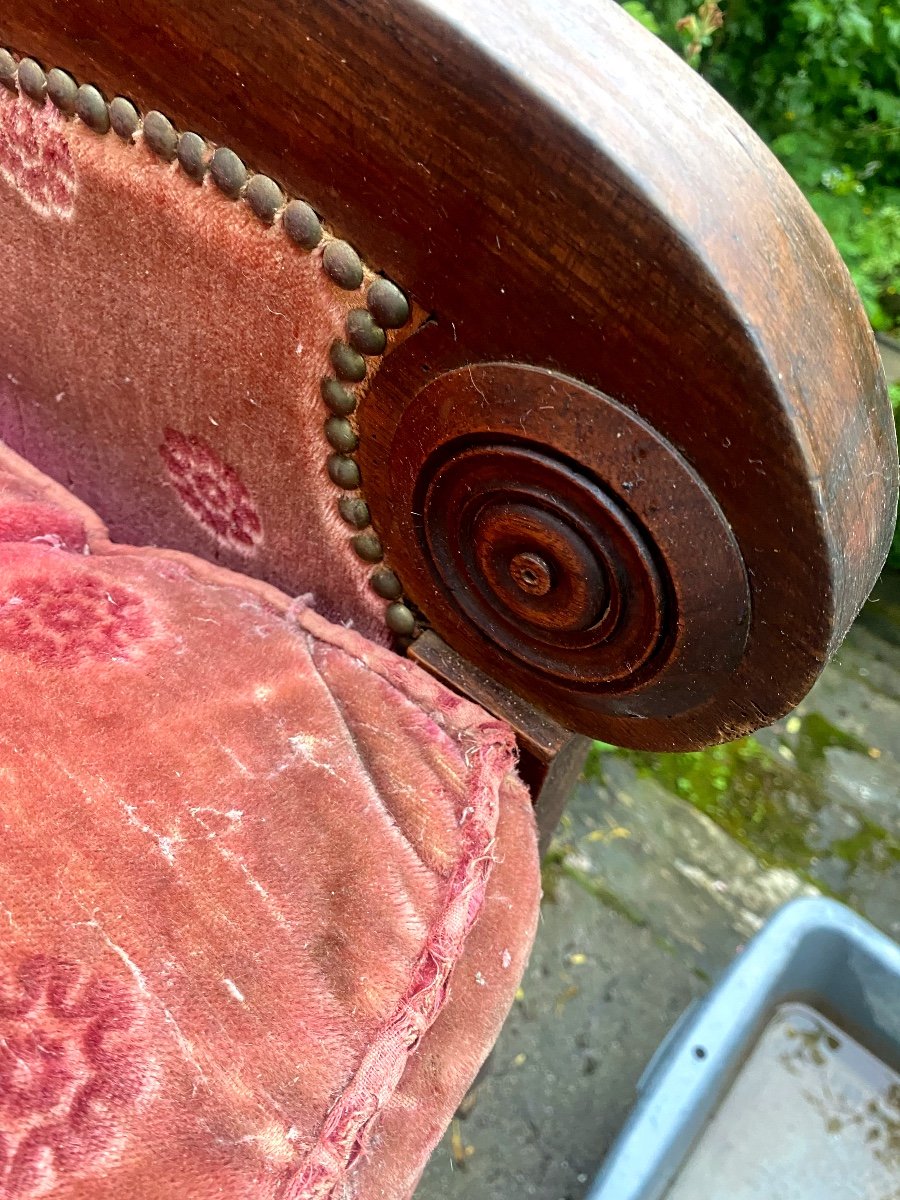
(266,889)
(161,354)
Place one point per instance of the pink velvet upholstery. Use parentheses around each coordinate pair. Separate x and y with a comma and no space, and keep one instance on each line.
(266,889)
(161,355)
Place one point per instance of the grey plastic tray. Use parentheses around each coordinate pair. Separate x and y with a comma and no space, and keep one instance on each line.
(813,951)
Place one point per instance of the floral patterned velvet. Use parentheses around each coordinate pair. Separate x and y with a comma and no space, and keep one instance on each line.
(266,889)
(161,355)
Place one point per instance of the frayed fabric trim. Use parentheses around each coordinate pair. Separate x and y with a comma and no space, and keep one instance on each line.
(350,1123)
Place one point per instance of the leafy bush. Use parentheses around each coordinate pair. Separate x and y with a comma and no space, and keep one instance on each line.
(894,555)
(819,80)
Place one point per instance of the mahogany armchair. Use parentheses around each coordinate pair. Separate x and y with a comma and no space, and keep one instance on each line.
(387,390)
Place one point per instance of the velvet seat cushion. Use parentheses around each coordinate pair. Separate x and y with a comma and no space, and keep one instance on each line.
(266,889)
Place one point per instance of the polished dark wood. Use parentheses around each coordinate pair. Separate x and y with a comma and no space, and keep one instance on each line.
(616,592)
(538,735)
(562,194)
(552,783)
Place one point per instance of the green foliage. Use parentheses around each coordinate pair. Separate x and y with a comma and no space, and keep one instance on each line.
(819,80)
(641,13)
(894,555)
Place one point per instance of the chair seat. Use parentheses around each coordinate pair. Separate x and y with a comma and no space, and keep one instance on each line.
(266,889)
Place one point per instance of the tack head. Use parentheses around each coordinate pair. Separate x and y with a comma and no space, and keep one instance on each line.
(8,70)
(347,363)
(124,118)
(368,546)
(32,80)
(92,109)
(400,620)
(160,135)
(62,90)
(363,333)
(387,304)
(193,155)
(343,471)
(384,583)
(339,400)
(228,172)
(265,197)
(341,434)
(354,510)
(302,225)
(342,265)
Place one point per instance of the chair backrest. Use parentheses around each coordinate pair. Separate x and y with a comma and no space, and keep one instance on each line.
(488,318)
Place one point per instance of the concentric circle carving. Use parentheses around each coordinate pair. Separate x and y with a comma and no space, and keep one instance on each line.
(533,548)
(559,542)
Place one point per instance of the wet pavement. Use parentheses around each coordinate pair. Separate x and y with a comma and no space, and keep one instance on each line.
(664,866)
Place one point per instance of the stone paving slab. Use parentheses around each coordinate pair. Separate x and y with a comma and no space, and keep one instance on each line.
(671,868)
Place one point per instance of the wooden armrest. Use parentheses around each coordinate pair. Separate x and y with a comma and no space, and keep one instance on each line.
(639,465)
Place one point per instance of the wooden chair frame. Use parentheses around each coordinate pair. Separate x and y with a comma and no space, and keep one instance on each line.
(645,385)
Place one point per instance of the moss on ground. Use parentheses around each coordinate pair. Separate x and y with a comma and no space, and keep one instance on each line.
(768,801)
